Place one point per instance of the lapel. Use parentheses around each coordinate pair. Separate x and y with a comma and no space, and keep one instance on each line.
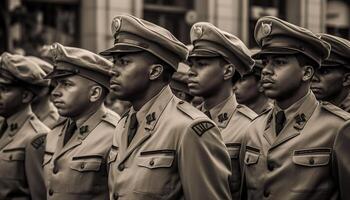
(80,134)
(226,112)
(147,126)
(294,126)
(15,123)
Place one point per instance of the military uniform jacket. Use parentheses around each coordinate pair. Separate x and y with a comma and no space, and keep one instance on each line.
(78,170)
(308,160)
(345,104)
(49,117)
(177,153)
(233,121)
(21,151)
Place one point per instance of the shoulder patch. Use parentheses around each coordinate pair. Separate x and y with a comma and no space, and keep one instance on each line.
(38,141)
(111,117)
(246,112)
(38,126)
(335,110)
(202,127)
(189,110)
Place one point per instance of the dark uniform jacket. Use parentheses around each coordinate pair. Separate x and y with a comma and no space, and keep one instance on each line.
(308,160)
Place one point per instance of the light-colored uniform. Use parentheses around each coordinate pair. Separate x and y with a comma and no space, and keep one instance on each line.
(177,153)
(309,159)
(21,149)
(233,120)
(78,170)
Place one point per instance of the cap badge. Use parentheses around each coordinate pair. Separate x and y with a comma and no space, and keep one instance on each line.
(266,29)
(198,31)
(116,24)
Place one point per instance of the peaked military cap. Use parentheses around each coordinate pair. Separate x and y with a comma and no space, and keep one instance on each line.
(132,34)
(340,51)
(20,70)
(276,36)
(76,61)
(210,41)
(47,67)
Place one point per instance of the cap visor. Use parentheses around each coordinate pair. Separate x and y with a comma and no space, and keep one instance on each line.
(58,74)
(273,51)
(121,48)
(203,53)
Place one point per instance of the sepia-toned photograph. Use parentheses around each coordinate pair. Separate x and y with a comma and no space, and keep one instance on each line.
(174,100)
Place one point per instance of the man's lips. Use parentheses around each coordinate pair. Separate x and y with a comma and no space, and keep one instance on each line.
(58,103)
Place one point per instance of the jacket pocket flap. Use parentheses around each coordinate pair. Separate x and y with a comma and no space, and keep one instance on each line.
(251,158)
(156,161)
(86,165)
(14,155)
(311,160)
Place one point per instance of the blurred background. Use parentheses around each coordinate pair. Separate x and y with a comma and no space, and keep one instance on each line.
(26,25)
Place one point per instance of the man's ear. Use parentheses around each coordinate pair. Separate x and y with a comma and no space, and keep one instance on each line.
(229,71)
(308,72)
(155,71)
(346,79)
(95,93)
(27,96)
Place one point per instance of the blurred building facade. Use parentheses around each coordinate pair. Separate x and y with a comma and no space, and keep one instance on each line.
(28,24)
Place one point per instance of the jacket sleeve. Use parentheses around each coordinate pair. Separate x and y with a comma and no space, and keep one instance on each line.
(204,163)
(33,167)
(341,161)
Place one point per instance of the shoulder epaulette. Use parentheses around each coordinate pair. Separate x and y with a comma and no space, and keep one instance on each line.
(246,112)
(111,117)
(38,141)
(335,110)
(38,126)
(189,110)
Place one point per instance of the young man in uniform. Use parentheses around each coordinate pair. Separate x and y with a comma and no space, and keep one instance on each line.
(217,61)
(299,149)
(163,147)
(249,91)
(22,134)
(75,162)
(42,106)
(332,81)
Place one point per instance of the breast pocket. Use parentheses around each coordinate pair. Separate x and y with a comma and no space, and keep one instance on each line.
(157,171)
(252,168)
(12,165)
(315,164)
(86,163)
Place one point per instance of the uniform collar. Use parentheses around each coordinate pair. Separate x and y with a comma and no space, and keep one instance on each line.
(16,121)
(222,113)
(152,110)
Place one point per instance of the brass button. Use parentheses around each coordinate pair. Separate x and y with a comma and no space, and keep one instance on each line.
(10,158)
(151,162)
(121,167)
(50,192)
(115,196)
(82,166)
(55,169)
(312,161)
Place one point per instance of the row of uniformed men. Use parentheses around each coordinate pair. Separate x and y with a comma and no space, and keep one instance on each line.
(164,148)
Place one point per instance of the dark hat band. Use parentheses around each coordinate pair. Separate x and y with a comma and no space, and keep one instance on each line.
(292,44)
(71,69)
(215,47)
(162,53)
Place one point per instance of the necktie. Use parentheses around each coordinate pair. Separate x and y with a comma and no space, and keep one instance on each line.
(3,128)
(207,113)
(69,132)
(280,119)
(132,127)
